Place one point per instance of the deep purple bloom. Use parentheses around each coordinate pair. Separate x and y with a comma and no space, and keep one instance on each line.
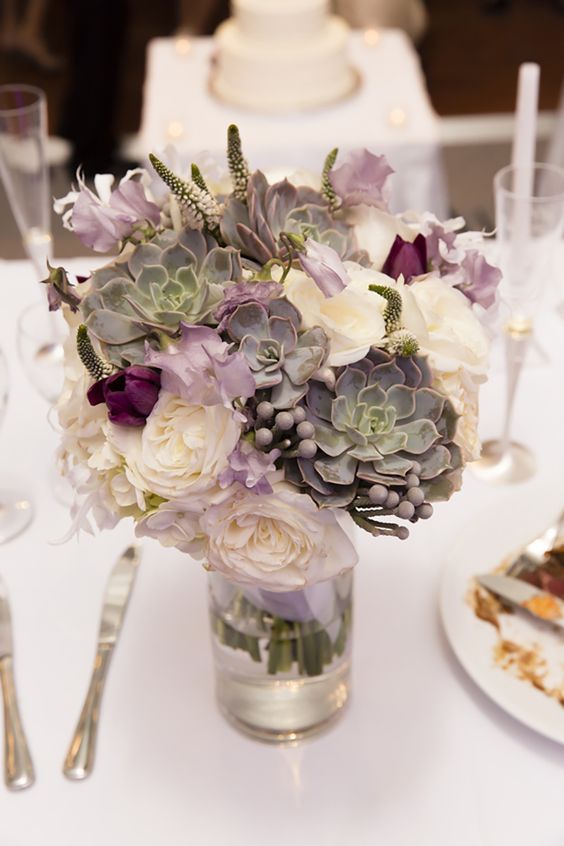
(249,467)
(200,368)
(361,179)
(325,267)
(130,394)
(480,279)
(406,258)
(246,292)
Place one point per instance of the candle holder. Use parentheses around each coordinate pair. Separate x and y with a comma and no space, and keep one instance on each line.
(529,219)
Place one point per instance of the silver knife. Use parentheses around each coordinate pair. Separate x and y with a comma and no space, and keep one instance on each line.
(79,761)
(541,604)
(18,766)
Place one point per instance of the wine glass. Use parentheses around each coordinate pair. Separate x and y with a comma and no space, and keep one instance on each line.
(16,510)
(43,365)
(24,170)
(25,174)
(529,227)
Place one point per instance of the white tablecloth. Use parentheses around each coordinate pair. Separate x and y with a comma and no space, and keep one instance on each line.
(391,114)
(422,758)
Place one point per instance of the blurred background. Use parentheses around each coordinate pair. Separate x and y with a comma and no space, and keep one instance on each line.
(90,58)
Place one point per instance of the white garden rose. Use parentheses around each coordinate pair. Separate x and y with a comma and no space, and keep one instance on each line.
(279,542)
(181,450)
(353,319)
(454,340)
(376,230)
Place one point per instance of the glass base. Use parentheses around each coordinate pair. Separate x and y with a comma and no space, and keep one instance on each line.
(16,513)
(517,464)
(283,711)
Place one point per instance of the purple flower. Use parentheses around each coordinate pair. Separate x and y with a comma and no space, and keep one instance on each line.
(246,292)
(480,279)
(406,259)
(325,267)
(361,179)
(200,368)
(130,394)
(102,220)
(249,467)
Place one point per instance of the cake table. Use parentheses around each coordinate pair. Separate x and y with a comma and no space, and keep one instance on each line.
(390,113)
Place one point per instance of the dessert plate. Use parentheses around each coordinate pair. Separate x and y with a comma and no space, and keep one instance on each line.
(519,516)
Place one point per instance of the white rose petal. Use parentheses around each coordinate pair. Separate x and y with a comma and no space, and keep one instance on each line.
(376,230)
(353,319)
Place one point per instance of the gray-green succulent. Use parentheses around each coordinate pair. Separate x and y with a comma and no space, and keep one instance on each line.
(381,419)
(256,227)
(279,355)
(153,288)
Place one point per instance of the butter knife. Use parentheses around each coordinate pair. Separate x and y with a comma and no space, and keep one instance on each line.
(542,605)
(79,761)
(18,766)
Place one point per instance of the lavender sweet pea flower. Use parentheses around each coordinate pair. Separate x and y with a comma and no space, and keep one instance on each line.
(200,368)
(246,292)
(361,179)
(480,279)
(130,394)
(406,258)
(325,267)
(249,467)
(103,218)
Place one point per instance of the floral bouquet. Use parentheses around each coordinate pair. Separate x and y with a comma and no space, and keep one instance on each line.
(263,367)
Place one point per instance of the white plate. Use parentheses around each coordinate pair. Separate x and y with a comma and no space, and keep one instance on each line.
(518,516)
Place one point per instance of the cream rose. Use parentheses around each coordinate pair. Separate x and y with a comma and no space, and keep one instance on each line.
(280,542)
(453,338)
(181,450)
(353,319)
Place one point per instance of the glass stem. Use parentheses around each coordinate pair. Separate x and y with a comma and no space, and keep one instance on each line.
(516,345)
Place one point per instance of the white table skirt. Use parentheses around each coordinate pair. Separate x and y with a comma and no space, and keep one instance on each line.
(422,756)
(178,109)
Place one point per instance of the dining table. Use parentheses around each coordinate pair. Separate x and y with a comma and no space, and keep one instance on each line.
(421,756)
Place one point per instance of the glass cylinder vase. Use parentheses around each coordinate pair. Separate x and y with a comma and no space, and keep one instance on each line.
(282,660)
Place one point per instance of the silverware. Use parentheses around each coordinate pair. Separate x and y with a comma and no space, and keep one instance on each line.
(18,766)
(79,761)
(542,605)
(533,554)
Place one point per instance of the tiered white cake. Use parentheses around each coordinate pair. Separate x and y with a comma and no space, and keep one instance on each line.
(278,55)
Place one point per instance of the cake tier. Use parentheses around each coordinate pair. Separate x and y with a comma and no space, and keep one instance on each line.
(274,77)
(276,20)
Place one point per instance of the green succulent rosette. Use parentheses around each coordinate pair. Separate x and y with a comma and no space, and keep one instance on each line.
(172,278)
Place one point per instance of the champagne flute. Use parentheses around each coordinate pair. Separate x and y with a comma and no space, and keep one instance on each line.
(16,510)
(529,227)
(24,170)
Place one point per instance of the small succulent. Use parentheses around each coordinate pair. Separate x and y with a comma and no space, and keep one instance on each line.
(380,432)
(256,227)
(152,289)
(280,356)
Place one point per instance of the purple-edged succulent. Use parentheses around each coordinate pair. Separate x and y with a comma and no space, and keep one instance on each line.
(279,355)
(130,394)
(245,292)
(406,258)
(256,227)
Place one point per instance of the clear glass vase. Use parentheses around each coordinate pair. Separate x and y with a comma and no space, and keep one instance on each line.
(282,660)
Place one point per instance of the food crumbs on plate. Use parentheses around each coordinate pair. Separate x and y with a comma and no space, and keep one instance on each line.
(543,606)
(485,605)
